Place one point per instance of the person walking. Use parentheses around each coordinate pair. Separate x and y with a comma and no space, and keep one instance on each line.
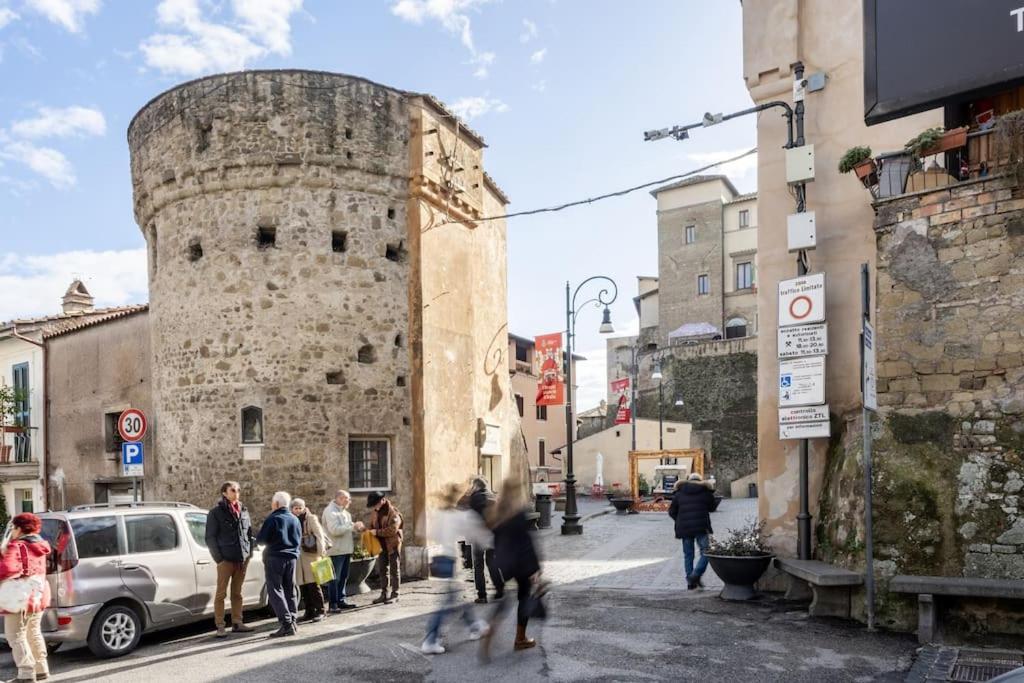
(339,527)
(481,500)
(313,547)
(281,534)
(229,537)
(692,504)
(516,558)
(446,526)
(24,555)
(386,525)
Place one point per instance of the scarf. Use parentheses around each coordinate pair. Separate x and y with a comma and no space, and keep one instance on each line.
(236,507)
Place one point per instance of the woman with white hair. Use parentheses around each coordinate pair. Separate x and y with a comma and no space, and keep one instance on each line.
(313,546)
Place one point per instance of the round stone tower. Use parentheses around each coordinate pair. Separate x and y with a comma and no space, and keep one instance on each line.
(274,206)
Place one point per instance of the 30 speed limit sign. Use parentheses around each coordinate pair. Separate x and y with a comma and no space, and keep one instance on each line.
(132,425)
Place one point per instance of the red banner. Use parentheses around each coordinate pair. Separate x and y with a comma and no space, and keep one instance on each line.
(547,364)
(622,395)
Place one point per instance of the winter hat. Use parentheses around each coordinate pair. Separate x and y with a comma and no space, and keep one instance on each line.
(374,498)
(695,476)
(28,523)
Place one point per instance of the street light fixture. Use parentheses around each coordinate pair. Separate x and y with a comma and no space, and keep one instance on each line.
(679,400)
(656,375)
(571,520)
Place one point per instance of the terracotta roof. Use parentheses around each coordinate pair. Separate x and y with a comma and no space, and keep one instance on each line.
(697,180)
(102,315)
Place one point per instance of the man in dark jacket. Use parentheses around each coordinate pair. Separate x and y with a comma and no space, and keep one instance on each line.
(280,534)
(691,508)
(481,498)
(229,540)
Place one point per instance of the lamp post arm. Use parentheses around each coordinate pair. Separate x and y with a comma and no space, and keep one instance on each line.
(600,296)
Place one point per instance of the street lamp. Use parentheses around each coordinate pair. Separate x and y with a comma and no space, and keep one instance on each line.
(571,520)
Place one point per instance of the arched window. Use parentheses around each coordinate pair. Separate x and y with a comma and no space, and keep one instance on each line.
(736,328)
(252,425)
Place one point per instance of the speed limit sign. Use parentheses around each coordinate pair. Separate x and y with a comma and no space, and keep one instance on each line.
(132,425)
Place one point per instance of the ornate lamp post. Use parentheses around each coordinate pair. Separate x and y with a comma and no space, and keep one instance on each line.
(571,521)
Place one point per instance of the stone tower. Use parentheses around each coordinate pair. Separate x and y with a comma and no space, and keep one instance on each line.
(283,212)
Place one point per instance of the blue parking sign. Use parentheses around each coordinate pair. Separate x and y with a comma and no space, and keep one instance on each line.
(132,459)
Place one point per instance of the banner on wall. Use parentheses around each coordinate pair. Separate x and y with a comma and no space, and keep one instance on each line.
(547,359)
(621,392)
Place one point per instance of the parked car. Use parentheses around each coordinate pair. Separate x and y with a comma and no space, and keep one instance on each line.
(120,570)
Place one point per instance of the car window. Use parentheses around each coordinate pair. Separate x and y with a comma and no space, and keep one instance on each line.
(196,523)
(150,533)
(62,555)
(96,536)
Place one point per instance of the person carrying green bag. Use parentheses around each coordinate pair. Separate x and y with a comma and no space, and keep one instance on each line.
(312,546)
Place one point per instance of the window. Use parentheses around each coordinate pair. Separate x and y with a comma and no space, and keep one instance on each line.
(266,237)
(522,353)
(744,275)
(736,328)
(111,436)
(703,284)
(23,500)
(745,218)
(519,404)
(691,234)
(339,241)
(541,452)
(196,523)
(252,425)
(195,250)
(542,413)
(369,464)
(96,536)
(62,556)
(150,533)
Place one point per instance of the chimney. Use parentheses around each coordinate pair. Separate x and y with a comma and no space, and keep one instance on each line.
(77,299)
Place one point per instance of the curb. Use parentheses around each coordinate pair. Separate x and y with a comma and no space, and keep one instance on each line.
(586,518)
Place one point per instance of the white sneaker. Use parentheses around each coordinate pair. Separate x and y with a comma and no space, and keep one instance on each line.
(478,630)
(431,647)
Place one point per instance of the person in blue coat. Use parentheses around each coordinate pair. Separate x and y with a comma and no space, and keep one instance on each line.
(280,536)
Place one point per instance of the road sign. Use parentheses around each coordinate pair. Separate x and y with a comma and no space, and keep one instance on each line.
(870,389)
(132,425)
(132,459)
(805,430)
(791,416)
(802,382)
(803,340)
(802,300)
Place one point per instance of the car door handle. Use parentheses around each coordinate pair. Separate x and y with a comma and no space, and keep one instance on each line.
(204,561)
(130,567)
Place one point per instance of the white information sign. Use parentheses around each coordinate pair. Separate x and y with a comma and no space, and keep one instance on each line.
(802,382)
(806,430)
(790,416)
(870,379)
(803,340)
(802,300)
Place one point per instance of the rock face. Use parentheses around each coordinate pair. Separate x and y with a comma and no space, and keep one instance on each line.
(274,209)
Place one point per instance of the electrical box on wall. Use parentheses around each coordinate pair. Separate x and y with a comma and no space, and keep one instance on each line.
(801,231)
(800,164)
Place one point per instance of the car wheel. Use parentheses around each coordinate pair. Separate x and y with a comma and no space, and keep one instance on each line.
(115,631)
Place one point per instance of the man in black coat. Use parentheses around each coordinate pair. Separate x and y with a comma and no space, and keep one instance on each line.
(691,508)
(229,539)
(481,498)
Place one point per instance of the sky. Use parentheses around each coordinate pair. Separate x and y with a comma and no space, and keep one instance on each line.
(561,91)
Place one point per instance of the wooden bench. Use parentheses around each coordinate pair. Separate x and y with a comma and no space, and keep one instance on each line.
(928,587)
(830,586)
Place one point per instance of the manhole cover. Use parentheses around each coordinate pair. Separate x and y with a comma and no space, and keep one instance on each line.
(978,666)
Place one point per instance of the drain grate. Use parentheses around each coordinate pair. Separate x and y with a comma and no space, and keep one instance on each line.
(978,666)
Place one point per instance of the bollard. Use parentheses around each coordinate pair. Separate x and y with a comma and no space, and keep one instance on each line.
(751,490)
(543,506)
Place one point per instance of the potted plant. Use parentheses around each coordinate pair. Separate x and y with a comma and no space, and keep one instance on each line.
(359,568)
(936,141)
(740,559)
(858,160)
(622,499)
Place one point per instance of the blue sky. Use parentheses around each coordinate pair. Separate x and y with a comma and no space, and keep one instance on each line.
(561,90)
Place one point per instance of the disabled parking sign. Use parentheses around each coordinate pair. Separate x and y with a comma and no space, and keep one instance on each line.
(132,459)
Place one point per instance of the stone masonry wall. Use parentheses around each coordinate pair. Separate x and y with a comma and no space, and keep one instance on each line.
(679,264)
(950,438)
(314,328)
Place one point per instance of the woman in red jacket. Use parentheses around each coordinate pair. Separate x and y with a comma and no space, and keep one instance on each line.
(25,555)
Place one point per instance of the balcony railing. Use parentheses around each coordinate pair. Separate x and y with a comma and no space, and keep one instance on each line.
(16,447)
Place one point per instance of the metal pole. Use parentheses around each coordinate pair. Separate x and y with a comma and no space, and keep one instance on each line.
(661,421)
(635,370)
(869,546)
(571,520)
(135,489)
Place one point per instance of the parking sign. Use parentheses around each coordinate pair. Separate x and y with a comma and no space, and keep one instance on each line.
(132,459)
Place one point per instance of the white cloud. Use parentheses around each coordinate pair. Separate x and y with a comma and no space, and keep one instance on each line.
(472,107)
(538,56)
(45,161)
(7,15)
(591,378)
(68,13)
(259,28)
(451,14)
(529,31)
(66,122)
(540,86)
(735,169)
(35,283)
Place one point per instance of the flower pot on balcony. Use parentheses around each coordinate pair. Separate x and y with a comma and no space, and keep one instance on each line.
(867,172)
(950,140)
(739,574)
(12,429)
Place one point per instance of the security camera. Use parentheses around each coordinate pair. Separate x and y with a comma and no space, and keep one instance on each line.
(656,134)
(680,134)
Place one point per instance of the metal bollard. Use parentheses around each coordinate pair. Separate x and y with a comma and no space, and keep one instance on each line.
(544,506)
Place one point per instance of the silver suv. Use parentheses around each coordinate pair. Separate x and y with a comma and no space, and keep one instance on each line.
(117,571)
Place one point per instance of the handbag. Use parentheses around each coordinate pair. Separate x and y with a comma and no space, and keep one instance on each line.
(371,544)
(534,606)
(323,570)
(15,594)
(309,543)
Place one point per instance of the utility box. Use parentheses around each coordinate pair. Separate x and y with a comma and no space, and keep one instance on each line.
(800,231)
(800,164)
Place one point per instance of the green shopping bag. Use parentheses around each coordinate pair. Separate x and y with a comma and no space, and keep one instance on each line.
(323,570)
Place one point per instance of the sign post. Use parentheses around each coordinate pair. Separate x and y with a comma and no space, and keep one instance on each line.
(132,426)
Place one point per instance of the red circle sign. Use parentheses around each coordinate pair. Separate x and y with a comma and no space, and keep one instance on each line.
(800,307)
(132,425)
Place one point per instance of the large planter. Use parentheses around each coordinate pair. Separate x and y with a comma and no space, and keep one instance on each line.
(867,172)
(950,140)
(358,570)
(622,505)
(739,574)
